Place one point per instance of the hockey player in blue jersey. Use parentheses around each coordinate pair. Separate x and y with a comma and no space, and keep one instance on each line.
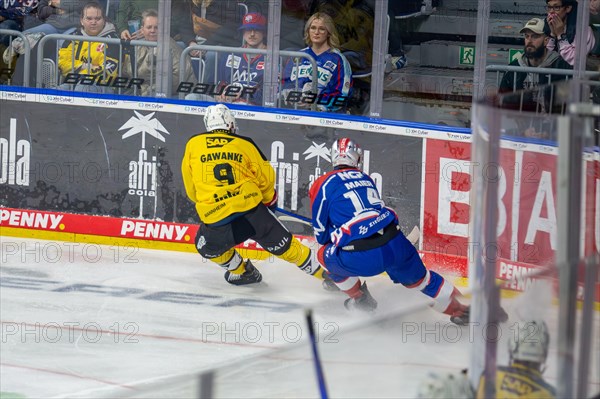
(245,71)
(334,71)
(361,237)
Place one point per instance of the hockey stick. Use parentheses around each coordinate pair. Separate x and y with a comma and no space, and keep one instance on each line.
(317,360)
(293,217)
(413,236)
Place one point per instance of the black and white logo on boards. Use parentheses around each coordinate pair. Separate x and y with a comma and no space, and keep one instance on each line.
(15,158)
(143,171)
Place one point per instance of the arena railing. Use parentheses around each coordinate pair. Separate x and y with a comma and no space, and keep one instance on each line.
(59,38)
(27,52)
(547,73)
(297,55)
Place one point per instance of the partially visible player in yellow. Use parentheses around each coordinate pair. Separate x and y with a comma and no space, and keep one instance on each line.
(233,186)
(522,378)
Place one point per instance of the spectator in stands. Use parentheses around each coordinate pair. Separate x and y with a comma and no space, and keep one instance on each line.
(245,70)
(216,24)
(58,16)
(240,76)
(561,27)
(95,59)
(535,54)
(12,15)
(130,12)
(354,22)
(334,74)
(144,60)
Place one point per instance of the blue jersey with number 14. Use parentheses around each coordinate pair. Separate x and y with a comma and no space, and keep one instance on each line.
(346,206)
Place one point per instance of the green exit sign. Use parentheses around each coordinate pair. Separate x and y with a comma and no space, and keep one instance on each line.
(514,54)
(467,55)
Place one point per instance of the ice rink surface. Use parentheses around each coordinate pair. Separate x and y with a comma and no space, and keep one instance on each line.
(96,321)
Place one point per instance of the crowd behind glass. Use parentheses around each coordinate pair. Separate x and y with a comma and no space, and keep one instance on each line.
(114,47)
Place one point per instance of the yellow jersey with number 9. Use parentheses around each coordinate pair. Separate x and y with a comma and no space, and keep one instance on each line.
(225,174)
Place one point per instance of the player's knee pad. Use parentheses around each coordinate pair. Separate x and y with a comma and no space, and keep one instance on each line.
(202,246)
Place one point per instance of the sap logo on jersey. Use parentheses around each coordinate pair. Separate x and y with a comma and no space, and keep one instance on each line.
(14,158)
(217,142)
(158,231)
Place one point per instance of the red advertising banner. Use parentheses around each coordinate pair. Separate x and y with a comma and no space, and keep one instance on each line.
(98,225)
(527,206)
(446,188)
(102,226)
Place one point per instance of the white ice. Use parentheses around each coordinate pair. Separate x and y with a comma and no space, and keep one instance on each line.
(96,321)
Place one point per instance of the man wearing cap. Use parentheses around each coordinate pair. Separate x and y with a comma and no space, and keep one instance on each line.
(245,71)
(535,55)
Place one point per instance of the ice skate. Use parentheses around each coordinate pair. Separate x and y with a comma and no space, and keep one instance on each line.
(251,275)
(364,303)
(458,312)
(460,316)
(328,284)
(502,315)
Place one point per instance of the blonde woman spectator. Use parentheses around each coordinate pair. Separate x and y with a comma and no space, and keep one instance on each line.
(96,59)
(334,72)
(145,58)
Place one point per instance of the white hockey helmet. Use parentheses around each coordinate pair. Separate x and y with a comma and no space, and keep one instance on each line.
(447,385)
(219,117)
(345,152)
(529,342)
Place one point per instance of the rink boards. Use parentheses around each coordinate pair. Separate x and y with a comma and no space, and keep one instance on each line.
(109,169)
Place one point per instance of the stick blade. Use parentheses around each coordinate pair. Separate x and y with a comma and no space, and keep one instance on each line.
(414,235)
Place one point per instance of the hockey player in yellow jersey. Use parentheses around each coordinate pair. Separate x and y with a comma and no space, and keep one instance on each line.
(233,186)
(522,378)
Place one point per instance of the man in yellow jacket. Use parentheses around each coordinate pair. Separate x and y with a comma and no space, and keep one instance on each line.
(95,59)
(233,186)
